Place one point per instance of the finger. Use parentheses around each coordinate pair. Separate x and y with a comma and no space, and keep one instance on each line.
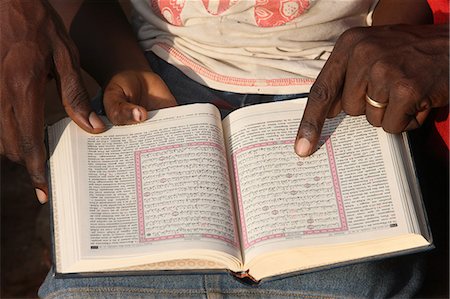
(23,118)
(30,124)
(405,104)
(119,110)
(377,96)
(9,134)
(24,143)
(381,76)
(35,162)
(324,92)
(421,116)
(417,121)
(74,96)
(31,155)
(355,88)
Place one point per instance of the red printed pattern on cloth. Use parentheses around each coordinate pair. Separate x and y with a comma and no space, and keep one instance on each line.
(276,13)
(267,13)
(169,10)
(222,6)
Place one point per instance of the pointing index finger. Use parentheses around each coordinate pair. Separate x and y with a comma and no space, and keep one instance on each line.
(325,91)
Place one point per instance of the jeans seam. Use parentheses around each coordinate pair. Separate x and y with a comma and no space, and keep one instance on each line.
(274,292)
(88,290)
(189,292)
(205,286)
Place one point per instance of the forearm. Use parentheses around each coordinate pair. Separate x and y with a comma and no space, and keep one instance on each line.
(103,36)
(402,12)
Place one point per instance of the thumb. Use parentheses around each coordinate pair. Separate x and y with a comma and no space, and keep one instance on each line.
(119,110)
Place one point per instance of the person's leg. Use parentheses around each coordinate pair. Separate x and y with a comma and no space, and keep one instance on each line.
(188,91)
(395,277)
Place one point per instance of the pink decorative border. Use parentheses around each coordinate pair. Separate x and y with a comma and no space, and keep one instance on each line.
(139,195)
(337,191)
(204,72)
(336,186)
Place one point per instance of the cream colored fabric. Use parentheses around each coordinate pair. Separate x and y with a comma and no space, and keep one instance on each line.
(247,46)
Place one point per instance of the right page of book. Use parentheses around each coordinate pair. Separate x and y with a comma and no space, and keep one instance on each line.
(348,191)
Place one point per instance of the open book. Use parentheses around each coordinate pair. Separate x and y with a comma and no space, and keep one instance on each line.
(187,191)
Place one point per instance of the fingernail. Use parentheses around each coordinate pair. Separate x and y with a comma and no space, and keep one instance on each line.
(303,147)
(95,121)
(137,115)
(41,196)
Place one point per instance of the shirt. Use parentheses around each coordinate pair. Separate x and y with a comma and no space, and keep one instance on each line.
(247,46)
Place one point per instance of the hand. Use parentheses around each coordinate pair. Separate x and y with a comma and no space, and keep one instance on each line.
(130,94)
(403,67)
(34,45)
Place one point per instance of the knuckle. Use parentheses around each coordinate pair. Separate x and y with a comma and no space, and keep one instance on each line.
(320,92)
(114,115)
(74,93)
(309,129)
(374,122)
(363,49)
(391,129)
(380,70)
(406,90)
(27,146)
(350,36)
(37,178)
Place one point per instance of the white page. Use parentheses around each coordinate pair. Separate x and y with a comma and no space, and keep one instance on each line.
(159,186)
(346,191)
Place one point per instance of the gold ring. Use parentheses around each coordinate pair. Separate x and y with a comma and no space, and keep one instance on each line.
(374,103)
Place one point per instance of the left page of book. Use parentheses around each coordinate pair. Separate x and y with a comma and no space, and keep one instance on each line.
(140,194)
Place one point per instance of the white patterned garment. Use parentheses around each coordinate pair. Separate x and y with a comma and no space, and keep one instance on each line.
(247,46)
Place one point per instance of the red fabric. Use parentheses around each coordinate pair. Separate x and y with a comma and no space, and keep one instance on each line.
(440,10)
(439,137)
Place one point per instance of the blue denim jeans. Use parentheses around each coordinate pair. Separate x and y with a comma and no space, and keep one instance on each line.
(393,277)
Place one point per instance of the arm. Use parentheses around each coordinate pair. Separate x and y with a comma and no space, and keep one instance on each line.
(388,12)
(404,67)
(110,53)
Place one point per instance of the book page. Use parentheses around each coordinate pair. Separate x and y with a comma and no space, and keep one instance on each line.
(346,191)
(156,187)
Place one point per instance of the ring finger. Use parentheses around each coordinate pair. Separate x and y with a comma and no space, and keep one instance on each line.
(377,98)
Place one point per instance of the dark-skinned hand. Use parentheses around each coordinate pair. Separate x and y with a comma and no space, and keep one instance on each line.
(131,93)
(34,46)
(405,68)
